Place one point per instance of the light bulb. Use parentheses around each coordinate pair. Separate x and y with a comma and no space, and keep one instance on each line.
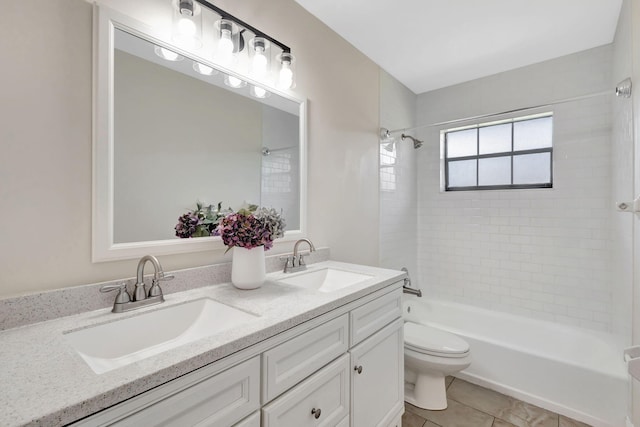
(225,45)
(203,69)
(187,27)
(167,54)
(259,92)
(234,82)
(285,79)
(259,63)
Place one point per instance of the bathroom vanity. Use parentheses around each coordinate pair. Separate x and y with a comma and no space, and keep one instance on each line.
(305,357)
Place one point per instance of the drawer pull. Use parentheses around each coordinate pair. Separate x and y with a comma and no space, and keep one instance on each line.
(358,369)
(316,413)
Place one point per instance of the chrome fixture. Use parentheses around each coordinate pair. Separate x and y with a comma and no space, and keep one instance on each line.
(141,298)
(389,141)
(385,135)
(295,262)
(386,139)
(623,89)
(266,151)
(416,142)
(406,287)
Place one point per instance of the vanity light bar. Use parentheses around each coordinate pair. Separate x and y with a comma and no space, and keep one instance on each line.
(224,15)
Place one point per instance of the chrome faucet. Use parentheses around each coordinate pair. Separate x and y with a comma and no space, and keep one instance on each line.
(295,262)
(141,298)
(406,287)
(154,291)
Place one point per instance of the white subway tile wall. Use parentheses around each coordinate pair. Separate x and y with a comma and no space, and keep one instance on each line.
(280,183)
(622,175)
(543,253)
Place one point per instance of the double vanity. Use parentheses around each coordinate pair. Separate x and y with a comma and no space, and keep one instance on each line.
(322,347)
(319,347)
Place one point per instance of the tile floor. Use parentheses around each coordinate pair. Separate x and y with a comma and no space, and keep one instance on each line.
(470,405)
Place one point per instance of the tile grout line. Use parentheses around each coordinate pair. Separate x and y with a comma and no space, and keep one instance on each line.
(498,418)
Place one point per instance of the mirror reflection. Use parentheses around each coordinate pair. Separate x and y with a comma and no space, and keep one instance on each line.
(182,137)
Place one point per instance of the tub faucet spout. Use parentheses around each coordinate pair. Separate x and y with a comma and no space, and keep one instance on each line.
(406,287)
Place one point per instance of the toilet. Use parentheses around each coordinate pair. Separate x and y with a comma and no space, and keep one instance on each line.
(430,355)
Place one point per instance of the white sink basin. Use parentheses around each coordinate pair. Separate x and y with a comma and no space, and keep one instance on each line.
(111,345)
(326,279)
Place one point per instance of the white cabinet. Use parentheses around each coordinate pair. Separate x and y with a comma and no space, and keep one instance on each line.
(321,400)
(374,315)
(302,377)
(252,420)
(377,383)
(289,363)
(198,398)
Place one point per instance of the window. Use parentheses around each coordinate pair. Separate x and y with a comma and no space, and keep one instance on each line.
(514,153)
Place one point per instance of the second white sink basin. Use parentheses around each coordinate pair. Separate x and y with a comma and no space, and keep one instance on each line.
(326,279)
(111,345)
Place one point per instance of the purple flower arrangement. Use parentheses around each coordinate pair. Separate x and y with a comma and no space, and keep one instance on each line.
(201,222)
(247,229)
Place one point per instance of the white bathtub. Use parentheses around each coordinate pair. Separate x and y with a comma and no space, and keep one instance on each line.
(571,371)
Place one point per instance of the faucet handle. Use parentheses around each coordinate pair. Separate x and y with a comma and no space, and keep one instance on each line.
(122,296)
(301,258)
(155,289)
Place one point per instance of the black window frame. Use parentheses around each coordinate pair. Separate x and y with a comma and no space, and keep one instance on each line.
(511,154)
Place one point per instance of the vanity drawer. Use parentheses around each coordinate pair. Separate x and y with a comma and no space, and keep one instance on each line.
(373,316)
(289,363)
(217,400)
(343,423)
(252,420)
(326,391)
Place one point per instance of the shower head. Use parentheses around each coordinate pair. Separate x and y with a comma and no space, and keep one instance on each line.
(416,142)
(385,135)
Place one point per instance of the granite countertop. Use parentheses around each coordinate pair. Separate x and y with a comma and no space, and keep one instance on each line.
(46,382)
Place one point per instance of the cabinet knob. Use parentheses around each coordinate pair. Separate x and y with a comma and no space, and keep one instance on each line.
(316,413)
(358,369)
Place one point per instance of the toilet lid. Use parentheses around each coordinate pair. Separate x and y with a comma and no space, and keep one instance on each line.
(426,339)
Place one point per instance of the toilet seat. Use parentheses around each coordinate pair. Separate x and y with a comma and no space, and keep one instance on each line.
(436,342)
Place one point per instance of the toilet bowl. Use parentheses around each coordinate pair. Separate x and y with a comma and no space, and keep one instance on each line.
(430,355)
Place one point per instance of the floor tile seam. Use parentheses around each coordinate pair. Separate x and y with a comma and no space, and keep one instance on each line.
(479,410)
(511,413)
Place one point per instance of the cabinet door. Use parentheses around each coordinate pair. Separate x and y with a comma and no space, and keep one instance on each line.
(377,383)
(322,400)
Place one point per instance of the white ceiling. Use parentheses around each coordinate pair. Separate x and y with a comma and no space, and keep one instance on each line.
(429,44)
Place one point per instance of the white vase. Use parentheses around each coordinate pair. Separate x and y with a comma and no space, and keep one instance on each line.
(248,268)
